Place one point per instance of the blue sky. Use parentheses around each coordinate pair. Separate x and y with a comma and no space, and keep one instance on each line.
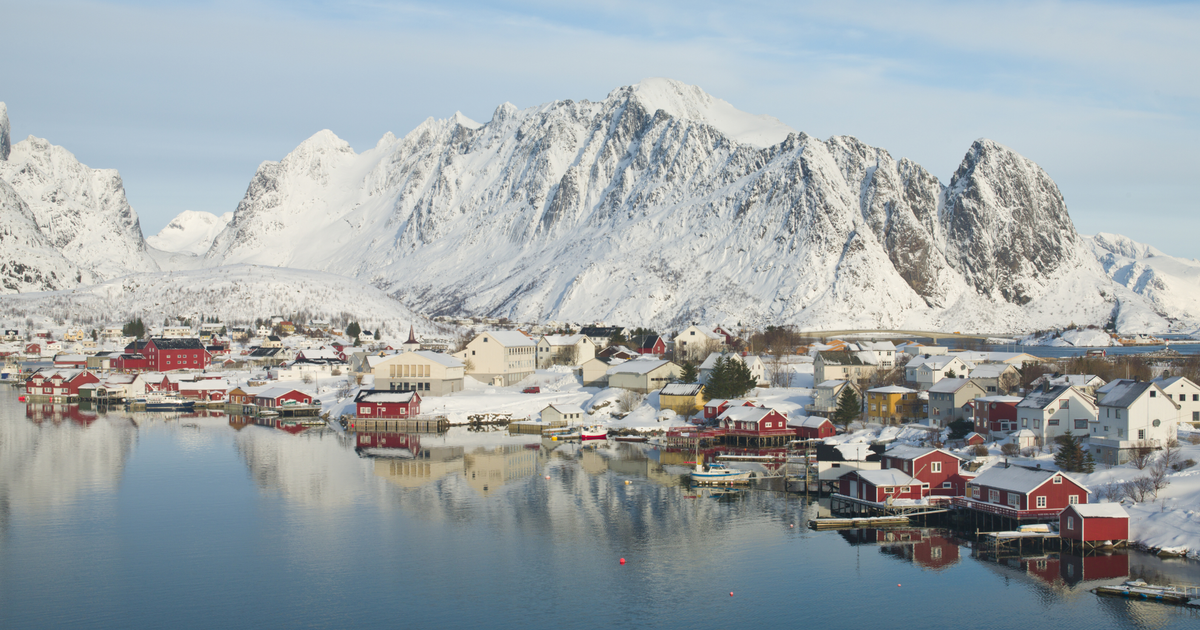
(187,98)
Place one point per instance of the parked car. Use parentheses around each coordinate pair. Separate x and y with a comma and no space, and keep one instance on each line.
(531,390)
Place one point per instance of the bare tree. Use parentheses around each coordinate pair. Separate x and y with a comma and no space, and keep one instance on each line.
(628,400)
(779,371)
(1140,454)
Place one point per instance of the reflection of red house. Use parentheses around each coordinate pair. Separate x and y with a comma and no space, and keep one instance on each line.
(921,546)
(1071,569)
(936,467)
(400,441)
(57,413)
(382,403)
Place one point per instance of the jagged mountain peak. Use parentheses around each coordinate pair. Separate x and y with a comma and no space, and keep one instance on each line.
(690,102)
(1104,242)
(5,132)
(190,232)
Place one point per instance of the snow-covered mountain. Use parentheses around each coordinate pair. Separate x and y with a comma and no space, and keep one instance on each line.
(1166,284)
(81,212)
(661,205)
(191,232)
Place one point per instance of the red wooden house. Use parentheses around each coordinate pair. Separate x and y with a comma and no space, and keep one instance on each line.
(1022,493)
(651,344)
(814,428)
(936,467)
(70,361)
(129,362)
(1094,522)
(382,403)
(212,390)
(922,547)
(754,424)
(33,349)
(881,486)
(165,355)
(280,396)
(717,406)
(974,439)
(995,414)
(58,384)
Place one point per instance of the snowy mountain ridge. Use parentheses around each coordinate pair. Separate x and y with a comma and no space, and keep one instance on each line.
(660,206)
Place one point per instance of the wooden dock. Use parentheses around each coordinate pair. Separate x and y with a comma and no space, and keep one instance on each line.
(858,523)
(434,424)
(1138,589)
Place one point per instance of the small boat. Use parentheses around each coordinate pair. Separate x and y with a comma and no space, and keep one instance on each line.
(155,401)
(631,438)
(719,473)
(592,432)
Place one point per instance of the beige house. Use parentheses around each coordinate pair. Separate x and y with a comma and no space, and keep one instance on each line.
(564,350)
(827,395)
(996,378)
(684,399)
(643,375)
(948,397)
(430,373)
(843,366)
(567,415)
(594,373)
(500,357)
(695,343)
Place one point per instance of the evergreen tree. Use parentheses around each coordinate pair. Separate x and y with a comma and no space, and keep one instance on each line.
(730,378)
(134,328)
(689,374)
(1089,463)
(849,408)
(1069,456)
(353,330)
(960,428)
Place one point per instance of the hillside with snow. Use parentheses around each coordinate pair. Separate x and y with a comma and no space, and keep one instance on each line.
(235,293)
(191,232)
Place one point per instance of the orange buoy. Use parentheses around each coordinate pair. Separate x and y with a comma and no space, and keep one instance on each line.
(897,586)
(731,593)
(622,560)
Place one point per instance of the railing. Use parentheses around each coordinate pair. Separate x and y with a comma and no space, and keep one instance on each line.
(1003,510)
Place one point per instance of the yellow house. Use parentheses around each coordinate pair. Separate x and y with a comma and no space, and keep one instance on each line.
(684,399)
(893,405)
(430,373)
(499,357)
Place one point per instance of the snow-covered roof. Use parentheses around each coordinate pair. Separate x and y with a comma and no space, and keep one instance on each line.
(1040,399)
(745,414)
(843,358)
(681,389)
(1076,380)
(1100,510)
(1124,394)
(276,392)
(566,409)
(382,396)
(1000,399)
(904,451)
(809,422)
(831,384)
(948,385)
(886,477)
(564,340)
(510,338)
(1017,478)
(891,389)
(854,451)
(438,357)
(991,370)
(637,366)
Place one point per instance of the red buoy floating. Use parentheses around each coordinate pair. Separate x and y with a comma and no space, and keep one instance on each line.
(622,560)
(731,593)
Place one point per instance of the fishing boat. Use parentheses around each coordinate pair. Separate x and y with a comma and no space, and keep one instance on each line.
(719,473)
(592,432)
(159,401)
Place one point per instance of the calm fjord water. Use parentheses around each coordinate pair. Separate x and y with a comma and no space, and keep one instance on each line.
(149,521)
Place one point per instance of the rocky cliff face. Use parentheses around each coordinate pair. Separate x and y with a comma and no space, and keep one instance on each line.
(5,133)
(81,212)
(663,205)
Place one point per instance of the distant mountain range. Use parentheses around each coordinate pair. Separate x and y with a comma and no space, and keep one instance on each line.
(659,206)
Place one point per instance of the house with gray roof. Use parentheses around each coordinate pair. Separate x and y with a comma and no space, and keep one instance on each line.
(948,400)
(1053,411)
(845,366)
(1133,414)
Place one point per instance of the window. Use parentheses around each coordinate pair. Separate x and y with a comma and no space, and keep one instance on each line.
(1014,500)
(993,496)
(1052,422)
(366,411)
(935,467)
(1153,394)
(1118,414)
(1195,397)
(1120,432)
(1081,423)
(1057,479)
(1041,502)
(1024,422)
(888,490)
(903,489)
(947,484)
(1141,434)
(1073,499)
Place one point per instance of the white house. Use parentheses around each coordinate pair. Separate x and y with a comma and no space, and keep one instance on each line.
(1186,394)
(1133,414)
(564,350)
(694,342)
(1053,411)
(499,357)
(925,370)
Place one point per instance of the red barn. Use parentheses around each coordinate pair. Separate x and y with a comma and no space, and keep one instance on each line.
(937,468)
(881,486)
(280,396)
(995,414)
(58,384)
(1022,493)
(1094,522)
(382,403)
(814,428)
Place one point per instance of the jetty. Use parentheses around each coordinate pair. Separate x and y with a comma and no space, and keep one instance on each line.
(821,524)
(1139,589)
